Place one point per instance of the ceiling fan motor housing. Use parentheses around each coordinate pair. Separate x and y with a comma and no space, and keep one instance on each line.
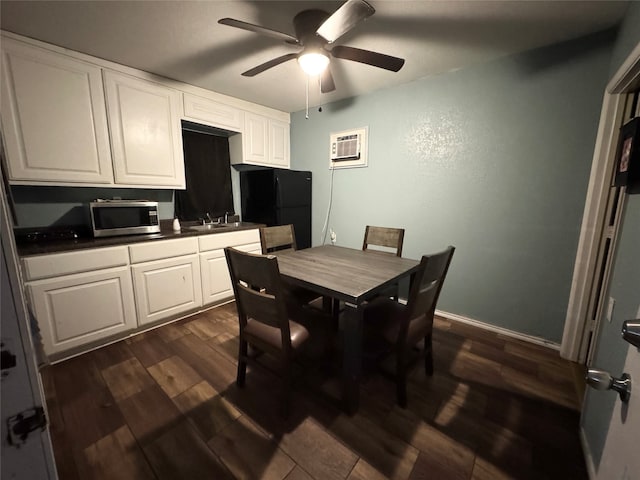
(306,23)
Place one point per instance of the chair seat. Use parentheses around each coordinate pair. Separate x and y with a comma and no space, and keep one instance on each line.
(383,316)
(271,335)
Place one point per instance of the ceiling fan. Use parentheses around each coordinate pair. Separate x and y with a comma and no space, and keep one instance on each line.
(315,31)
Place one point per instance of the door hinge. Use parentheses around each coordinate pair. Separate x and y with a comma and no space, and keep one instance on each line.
(22,424)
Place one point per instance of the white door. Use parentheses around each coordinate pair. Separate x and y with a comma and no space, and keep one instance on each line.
(20,387)
(611,427)
(620,459)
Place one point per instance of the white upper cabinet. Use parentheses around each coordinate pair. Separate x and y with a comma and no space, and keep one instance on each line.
(256,138)
(264,141)
(53,117)
(279,144)
(146,135)
(69,119)
(210,112)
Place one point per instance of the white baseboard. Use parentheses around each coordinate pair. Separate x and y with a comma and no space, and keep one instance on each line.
(503,331)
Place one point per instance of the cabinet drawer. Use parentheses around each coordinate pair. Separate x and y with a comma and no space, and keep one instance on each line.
(228,239)
(212,112)
(56,264)
(146,252)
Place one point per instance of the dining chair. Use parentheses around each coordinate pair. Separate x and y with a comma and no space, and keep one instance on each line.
(389,238)
(400,327)
(279,238)
(263,314)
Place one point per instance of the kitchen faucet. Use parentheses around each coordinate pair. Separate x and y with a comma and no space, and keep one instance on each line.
(204,222)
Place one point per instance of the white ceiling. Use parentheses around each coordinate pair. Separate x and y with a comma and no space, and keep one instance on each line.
(182,39)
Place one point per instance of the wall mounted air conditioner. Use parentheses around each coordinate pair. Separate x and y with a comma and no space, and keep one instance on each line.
(348,149)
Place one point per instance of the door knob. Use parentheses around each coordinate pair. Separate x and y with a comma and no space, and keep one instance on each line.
(601,380)
(631,332)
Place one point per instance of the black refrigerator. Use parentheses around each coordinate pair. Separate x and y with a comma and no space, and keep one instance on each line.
(276,196)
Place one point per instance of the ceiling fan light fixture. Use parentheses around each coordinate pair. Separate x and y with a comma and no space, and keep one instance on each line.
(313,63)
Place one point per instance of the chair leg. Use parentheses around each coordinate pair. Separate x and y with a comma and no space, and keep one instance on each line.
(428,355)
(242,364)
(335,315)
(287,377)
(401,378)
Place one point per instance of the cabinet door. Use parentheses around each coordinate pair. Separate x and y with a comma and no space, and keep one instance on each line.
(279,144)
(166,287)
(74,310)
(53,117)
(144,118)
(216,282)
(255,138)
(210,112)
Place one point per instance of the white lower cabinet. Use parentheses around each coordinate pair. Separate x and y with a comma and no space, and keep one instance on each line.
(82,297)
(166,287)
(167,282)
(216,283)
(74,310)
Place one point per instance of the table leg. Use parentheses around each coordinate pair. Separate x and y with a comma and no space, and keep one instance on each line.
(352,357)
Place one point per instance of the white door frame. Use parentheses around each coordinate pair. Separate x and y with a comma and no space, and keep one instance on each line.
(572,346)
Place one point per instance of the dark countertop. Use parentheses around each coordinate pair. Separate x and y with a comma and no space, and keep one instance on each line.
(166,233)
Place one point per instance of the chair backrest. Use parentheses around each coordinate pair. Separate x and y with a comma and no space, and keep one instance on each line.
(281,237)
(258,290)
(427,284)
(384,237)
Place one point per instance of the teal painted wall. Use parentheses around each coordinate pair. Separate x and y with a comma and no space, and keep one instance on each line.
(625,281)
(628,37)
(493,159)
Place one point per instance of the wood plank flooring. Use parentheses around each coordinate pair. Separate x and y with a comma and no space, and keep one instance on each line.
(164,405)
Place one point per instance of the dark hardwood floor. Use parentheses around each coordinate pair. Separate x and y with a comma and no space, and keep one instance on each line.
(164,405)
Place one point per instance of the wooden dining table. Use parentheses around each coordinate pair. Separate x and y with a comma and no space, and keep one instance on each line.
(353,277)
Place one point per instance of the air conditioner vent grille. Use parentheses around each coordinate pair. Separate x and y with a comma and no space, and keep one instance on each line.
(348,149)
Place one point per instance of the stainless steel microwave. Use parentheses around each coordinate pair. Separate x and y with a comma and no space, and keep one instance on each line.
(123,217)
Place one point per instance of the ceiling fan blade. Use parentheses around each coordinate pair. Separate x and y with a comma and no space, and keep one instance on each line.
(326,81)
(344,19)
(271,63)
(258,29)
(374,59)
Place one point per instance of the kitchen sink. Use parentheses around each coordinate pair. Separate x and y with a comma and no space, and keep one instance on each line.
(212,226)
